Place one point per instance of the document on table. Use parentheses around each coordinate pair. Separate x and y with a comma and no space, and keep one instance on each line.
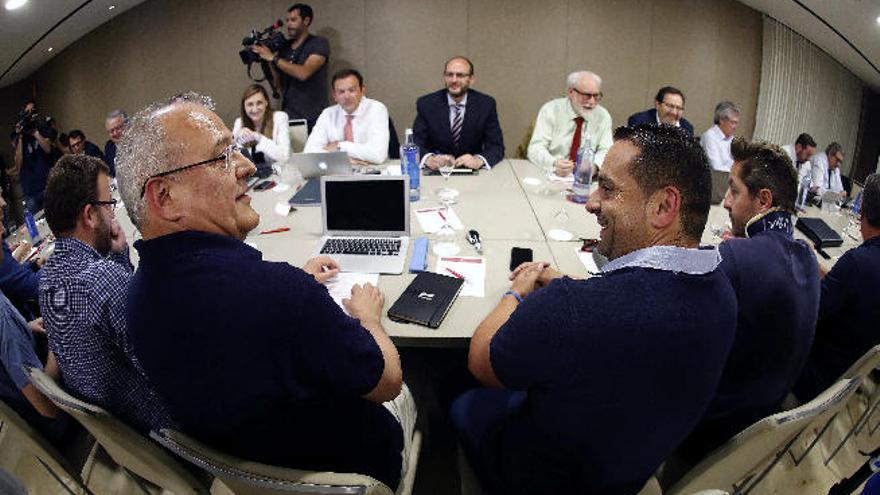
(472,270)
(340,285)
(431,219)
(552,177)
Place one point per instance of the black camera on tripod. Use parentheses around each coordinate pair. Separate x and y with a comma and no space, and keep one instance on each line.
(270,37)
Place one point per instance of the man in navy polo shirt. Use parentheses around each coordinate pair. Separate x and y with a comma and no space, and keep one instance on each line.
(600,379)
(848,309)
(252,357)
(776,281)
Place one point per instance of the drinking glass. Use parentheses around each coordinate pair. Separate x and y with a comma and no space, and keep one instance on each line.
(445,243)
(446,193)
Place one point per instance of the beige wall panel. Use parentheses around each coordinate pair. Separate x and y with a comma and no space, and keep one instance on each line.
(617,47)
(342,23)
(739,53)
(112,58)
(176,47)
(519,58)
(684,55)
(220,27)
(710,48)
(407,45)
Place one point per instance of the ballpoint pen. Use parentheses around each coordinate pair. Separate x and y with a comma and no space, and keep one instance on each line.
(473,237)
(457,275)
(275,231)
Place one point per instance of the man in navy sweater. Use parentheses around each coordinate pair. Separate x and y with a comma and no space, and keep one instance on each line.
(566,358)
(848,309)
(776,281)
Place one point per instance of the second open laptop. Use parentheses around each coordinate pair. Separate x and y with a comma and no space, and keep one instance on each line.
(312,165)
(365,222)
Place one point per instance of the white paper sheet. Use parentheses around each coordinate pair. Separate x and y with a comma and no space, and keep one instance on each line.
(588,261)
(340,285)
(472,269)
(555,178)
(431,219)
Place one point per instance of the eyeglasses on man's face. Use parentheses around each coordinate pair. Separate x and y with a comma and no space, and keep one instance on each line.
(112,203)
(226,156)
(588,96)
(671,107)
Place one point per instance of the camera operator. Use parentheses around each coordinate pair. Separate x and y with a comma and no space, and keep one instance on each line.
(300,69)
(36,150)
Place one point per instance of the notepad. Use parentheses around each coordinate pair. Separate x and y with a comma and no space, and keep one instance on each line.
(471,269)
(431,219)
(340,286)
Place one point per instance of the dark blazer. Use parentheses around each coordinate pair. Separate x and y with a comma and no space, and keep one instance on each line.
(480,131)
(650,117)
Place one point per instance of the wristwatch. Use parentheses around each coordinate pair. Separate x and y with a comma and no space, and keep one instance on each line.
(275,61)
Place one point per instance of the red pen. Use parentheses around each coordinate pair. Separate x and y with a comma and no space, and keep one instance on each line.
(441,215)
(275,231)
(457,275)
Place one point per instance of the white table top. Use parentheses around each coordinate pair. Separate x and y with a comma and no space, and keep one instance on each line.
(504,205)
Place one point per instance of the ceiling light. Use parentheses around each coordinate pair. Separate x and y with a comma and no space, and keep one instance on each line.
(14,4)
(49,49)
(111,7)
(878,20)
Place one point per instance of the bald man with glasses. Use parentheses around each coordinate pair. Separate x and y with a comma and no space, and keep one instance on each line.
(565,123)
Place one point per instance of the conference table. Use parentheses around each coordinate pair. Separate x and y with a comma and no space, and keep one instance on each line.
(513,205)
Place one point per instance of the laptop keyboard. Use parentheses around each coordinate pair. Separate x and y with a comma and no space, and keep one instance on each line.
(368,246)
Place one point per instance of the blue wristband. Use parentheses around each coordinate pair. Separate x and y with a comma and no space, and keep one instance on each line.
(515,295)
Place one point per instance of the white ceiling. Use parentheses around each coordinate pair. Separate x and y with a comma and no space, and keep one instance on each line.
(856,20)
(19,29)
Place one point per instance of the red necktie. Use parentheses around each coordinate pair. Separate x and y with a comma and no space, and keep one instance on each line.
(576,139)
(347,131)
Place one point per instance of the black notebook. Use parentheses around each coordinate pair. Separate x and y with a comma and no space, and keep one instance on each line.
(308,195)
(427,299)
(819,232)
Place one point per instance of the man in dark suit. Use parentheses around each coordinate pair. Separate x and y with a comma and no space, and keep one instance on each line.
(668,109)
(458,123)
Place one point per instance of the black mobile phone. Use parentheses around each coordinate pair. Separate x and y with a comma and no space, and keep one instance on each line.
(519,256)
(266,184)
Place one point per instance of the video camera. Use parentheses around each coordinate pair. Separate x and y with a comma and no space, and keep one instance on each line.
(30,120)
(270,37)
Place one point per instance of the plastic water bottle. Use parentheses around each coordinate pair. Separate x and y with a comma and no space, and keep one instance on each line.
(583,173)
(857,204)
(31,224)
(803,192)
(409,164)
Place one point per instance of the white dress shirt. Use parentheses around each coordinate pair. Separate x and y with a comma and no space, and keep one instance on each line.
(276,149)
(804,168)
(717,148)
(369,129)
(824,179)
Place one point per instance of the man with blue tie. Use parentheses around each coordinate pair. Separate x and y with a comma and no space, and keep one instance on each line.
(458,123)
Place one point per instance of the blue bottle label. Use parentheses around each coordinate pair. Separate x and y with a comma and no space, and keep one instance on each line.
(31,224)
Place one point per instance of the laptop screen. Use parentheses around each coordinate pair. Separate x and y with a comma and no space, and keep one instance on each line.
(366,205)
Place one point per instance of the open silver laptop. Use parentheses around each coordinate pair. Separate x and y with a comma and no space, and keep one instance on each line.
(313,165)
(366,222)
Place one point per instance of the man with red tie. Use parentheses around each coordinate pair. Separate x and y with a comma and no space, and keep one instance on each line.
(356,124)
(563,124)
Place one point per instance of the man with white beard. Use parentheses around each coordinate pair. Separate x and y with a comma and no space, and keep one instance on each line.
(564,123)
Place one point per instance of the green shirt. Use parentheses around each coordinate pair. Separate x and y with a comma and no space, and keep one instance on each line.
(555,127)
